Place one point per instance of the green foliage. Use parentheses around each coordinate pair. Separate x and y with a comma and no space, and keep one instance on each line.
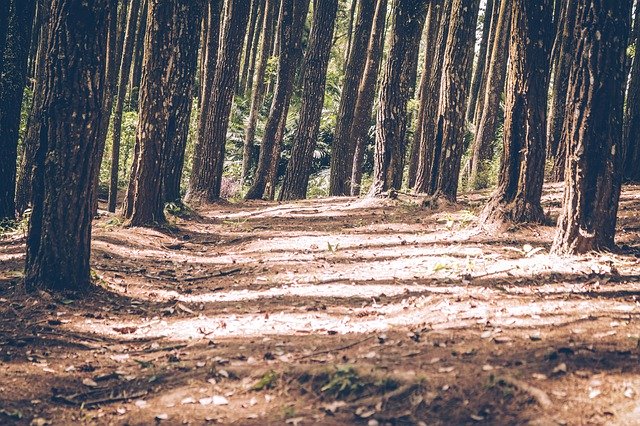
(267,381)
(344,382)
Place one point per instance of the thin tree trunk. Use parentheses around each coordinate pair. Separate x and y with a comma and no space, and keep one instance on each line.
(352,16)
(251,43)
(12,86)
(482,149)
(206,177)
(291,25)
(316,61)
(343,147)
(454,94)
(632,112)
(366,95)
(138,55)
(59,240)
(391,122)
(257,93)
(431,103)
(559,92)
(479,71)
(517,198)
(4,25)
(123,80)
(593,127)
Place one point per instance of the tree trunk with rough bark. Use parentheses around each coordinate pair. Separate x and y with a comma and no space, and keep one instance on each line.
(316,61)
(342,147)
(366,95)
(206,177)
(12,85)
(391,123)
(479,71)
(482,148)
(632,112)
(59,239)
(454,94)
(138,55)
(291,26)
(517,198)
(251,42)
(257,93)
(593,127)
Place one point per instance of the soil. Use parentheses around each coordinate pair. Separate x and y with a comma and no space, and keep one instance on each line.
(330,311)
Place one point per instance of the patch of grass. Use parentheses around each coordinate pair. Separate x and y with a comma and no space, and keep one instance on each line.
(267,381)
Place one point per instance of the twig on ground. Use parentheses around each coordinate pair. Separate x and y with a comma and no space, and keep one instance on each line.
(538,394)
(341,348)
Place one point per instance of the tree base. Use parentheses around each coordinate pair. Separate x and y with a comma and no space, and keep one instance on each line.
(500,214)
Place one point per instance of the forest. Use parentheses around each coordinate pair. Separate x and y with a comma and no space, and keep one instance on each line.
(331,212)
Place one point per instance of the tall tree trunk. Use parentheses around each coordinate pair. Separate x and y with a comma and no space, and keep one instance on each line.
(632,112)
(251,42)
(352,17)
(123,80)
(206,176)
(454,94)
(59,240)
(138,55)
(593,127)
(316,61)
(479,71)
(343,147)
(430,104)
(30,142)
(257,93)
(182,90)
(391,123)
(12,84)
(290,27)
(366,95)
(36,29)
(166,41)
(517,198)
(482,149)
(559,92)
(4,24)
(433,25)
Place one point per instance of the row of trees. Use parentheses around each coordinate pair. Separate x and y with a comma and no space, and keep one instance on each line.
(86,58)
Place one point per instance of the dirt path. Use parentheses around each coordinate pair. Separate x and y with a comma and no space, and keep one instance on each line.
(334,311)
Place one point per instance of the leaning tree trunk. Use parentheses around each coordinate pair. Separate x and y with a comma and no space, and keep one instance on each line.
(257,93)
(632,112)
(593,127)
(251,46)
(482,148)
(213,13)
(59,240)
(342,147)
(430,104)
(479,72)
(206,177)
(123,79)
(454,93)
(290,28)
(391,122)
(166,41)
(181,89)
(366,96)
(559,92)
(12,86)
(316,61)
(517,198)
(433,26)
(138,55)
(31,138)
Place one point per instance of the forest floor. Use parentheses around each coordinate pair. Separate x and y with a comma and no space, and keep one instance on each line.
(332,311)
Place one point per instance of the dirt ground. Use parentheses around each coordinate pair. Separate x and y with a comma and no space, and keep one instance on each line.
(332,311)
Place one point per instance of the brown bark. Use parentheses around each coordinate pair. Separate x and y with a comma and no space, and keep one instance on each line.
(123,79)
(632,112)
(517,198)
(559,92)
(213,14)
(59,240)
(479,71)
(352,16)
(593,127)
(366,95)
(257,93)
(343,147)
(206,176)
(430,104)
(316,61)
(12,84)
(290,27)
(251,43)
(482,149)
(391,122)
(165,43)
(454,93)
(138,55)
